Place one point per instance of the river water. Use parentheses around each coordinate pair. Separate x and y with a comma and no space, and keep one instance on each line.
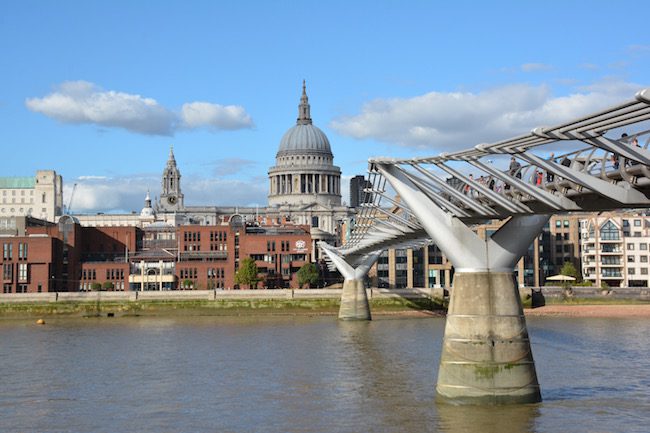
(304,374)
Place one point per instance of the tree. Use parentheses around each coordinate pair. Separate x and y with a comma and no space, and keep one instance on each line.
(108,285)
(247,273)
(307,274)
(570,270)
(96,286)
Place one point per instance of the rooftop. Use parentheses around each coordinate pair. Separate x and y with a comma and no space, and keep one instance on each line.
(17,182)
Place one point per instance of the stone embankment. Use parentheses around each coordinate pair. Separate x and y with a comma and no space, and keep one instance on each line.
(213,302)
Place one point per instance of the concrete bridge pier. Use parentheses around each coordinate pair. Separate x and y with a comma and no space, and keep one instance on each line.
(354,299)
(486,355)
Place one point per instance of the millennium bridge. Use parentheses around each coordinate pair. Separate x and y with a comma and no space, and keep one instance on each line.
(602,163)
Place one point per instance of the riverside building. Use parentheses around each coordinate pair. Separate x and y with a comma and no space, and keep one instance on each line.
(40,196)
(41,256)
(615,249)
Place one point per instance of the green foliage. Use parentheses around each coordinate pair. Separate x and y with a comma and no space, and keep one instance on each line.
(96,286)
(307,274)
(108,285)
(187,284)
(585,283)
(604,285)
(247,273)
(570,270)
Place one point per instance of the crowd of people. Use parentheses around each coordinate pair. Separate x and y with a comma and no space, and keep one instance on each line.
(538,177)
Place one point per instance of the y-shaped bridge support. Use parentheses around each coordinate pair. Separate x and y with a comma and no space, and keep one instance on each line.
(486,355)
(354,300)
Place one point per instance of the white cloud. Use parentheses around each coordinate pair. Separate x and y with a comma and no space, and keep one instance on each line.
(215,116)
(534,67)
(226,192)
(125,194)
(639,49)
(106,194)
(446,121)
(81,102)
(228,166)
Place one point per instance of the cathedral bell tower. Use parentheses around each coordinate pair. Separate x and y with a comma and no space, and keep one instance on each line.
(171,197)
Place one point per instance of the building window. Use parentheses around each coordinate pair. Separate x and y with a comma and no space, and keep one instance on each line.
(631,271)
(7,271)
(609,232)
(630,259)
(22,272)
(637,223)
(630,247)
(6,288)
(558,223)
(644,271)
(22,251)
(22,288)
(643,259)
(643,246)
(7,251)
(566,223)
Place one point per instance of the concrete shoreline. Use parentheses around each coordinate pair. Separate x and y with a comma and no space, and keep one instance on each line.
(215,302)
(383,302)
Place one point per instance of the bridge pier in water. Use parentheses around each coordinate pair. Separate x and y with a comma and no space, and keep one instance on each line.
(354,299)
(486,355)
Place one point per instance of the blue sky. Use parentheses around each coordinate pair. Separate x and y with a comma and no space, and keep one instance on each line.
(99,90)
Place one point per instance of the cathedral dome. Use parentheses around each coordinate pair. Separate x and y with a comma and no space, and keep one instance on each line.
(304,139)
(304,173)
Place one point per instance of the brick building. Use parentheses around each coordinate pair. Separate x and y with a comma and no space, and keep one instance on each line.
(40,256)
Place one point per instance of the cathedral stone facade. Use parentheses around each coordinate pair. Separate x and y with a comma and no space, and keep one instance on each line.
(304,171)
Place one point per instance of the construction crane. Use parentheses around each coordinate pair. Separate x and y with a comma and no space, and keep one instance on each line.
(69,206)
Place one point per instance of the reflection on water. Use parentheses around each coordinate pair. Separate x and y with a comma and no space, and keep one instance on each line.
(287,374)
(460,419)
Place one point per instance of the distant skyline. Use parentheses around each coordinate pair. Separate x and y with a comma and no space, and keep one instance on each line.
(99,91)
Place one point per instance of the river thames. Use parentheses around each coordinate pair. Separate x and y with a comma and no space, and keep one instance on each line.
(304,374)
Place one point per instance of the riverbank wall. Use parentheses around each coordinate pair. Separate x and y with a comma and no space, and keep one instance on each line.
(212,302)
(283,301)
(539,296)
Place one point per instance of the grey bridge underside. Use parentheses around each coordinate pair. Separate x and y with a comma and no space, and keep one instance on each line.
(486,356)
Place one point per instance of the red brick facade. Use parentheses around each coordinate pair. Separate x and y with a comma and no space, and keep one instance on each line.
(46,257)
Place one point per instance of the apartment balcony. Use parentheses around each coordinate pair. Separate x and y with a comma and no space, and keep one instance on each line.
(612,276)
(612,252)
